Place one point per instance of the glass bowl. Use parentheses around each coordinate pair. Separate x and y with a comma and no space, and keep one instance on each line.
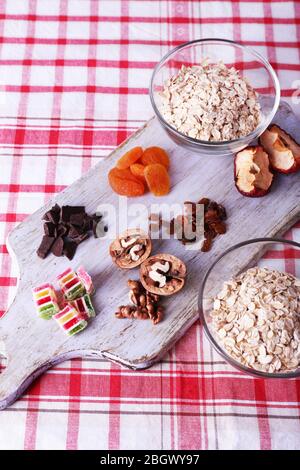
(230,264)
(252,65)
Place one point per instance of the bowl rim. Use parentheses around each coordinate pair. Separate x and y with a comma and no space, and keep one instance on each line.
(217,346)
(257,131)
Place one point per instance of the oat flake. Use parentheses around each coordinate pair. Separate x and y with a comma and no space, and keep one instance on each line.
(210,102)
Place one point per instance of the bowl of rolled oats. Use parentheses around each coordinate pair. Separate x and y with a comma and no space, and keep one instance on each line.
(251,311)
(214,96)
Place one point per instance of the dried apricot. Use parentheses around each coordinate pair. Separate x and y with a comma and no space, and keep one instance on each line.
(129,158)
(155,155)
(123,182)
(158,179)
(137,169)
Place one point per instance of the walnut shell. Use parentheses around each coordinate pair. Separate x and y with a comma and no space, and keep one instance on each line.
(175,277)
(121,255)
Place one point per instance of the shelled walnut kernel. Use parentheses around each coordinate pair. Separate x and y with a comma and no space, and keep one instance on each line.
(145,305)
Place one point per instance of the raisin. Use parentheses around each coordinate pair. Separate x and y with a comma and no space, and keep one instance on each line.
(211,216)
(222,212)
(205,201)
(219,227)
(206,245)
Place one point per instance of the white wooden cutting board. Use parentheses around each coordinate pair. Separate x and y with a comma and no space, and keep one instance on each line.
(32,345)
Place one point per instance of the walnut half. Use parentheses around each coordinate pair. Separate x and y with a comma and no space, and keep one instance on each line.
(130,249)
(163,274)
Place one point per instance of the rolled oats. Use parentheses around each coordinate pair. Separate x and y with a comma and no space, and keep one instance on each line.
(210,102)
(261,328)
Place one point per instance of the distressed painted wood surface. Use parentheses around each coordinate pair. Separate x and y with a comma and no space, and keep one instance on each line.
(32,345)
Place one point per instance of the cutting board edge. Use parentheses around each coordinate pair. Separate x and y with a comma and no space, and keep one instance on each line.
(157,356)
(92,353)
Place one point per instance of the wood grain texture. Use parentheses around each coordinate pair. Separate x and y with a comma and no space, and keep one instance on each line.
(33,345)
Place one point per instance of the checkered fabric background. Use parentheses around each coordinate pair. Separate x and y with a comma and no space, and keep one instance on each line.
(73,85)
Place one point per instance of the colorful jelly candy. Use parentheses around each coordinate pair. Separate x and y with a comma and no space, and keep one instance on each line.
(70,320)
(86,280)
(45,301)
(84,306)
(71,285)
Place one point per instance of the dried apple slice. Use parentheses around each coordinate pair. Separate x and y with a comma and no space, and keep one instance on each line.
(284,152)
(252,174)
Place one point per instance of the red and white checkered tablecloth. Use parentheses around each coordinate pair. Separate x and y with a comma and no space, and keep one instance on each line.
(73,85)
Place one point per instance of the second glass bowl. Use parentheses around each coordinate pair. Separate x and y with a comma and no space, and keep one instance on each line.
(252,65)
(229,265)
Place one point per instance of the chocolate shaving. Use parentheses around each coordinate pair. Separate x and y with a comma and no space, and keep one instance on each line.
(78,219)
(50,229)
(58,246)
(81,238)
(75,232)
(69,249)
(45,246)
(67,211)
(65,227)
(62,230)
(53,215)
